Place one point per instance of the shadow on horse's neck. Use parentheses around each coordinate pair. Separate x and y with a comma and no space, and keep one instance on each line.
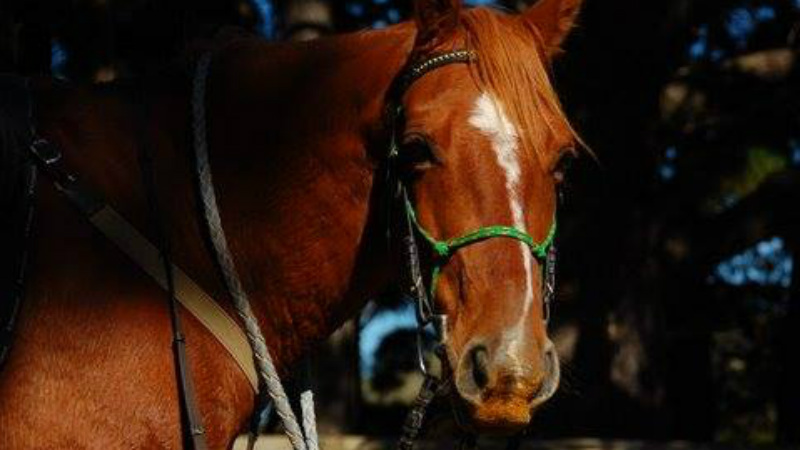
(292,135)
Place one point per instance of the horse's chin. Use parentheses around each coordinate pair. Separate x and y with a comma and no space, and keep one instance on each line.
(491,420)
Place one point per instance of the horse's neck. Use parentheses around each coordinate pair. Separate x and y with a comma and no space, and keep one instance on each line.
(289,132)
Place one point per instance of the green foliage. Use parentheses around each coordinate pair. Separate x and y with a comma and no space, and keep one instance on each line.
(759,164)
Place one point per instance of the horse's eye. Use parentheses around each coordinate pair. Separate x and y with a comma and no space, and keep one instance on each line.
(566,156)
(416,155)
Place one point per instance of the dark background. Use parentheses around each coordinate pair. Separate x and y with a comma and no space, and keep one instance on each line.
(679,312)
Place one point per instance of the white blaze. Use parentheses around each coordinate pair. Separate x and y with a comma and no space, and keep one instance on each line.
(489,117)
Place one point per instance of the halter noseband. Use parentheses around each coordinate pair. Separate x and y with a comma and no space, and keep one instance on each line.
(443,250)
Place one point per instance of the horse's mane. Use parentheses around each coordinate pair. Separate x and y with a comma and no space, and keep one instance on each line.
(517,76)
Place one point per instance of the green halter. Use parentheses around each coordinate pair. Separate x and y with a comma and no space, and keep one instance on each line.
(444,250)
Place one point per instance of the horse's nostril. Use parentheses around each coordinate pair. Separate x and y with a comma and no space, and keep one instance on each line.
(480,366)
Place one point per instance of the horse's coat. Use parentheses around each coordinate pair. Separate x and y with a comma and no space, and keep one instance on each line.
(295,135)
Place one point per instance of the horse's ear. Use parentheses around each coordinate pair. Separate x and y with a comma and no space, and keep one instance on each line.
(553,19)
(436,21)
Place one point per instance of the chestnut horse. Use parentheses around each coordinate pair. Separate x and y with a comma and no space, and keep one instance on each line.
(296,138)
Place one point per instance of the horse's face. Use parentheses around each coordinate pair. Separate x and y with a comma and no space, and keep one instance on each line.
(470,166)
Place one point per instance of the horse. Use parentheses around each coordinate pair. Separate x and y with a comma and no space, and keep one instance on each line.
(297,135)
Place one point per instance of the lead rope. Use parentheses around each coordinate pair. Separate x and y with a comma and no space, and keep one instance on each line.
(431,387)
(267,373)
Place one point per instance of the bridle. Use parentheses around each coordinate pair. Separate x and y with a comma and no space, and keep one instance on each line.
(405,230)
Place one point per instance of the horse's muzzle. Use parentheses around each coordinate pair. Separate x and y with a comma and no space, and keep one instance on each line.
(497,394)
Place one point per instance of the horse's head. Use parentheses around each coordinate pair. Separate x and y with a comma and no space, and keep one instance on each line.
(479,156)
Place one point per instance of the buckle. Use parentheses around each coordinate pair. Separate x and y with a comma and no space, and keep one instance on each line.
(49,159)
(47,153)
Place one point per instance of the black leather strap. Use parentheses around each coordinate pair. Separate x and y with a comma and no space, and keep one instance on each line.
(417,69)
(400,230)
(193,430)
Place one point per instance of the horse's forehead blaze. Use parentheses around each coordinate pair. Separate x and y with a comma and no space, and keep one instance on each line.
(489,117)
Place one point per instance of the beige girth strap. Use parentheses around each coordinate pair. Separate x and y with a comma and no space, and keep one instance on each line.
(188,293)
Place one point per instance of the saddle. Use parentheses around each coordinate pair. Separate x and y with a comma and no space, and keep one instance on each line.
(17,184)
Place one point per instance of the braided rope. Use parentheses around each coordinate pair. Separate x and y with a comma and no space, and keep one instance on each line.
(264,364)
(309,419)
